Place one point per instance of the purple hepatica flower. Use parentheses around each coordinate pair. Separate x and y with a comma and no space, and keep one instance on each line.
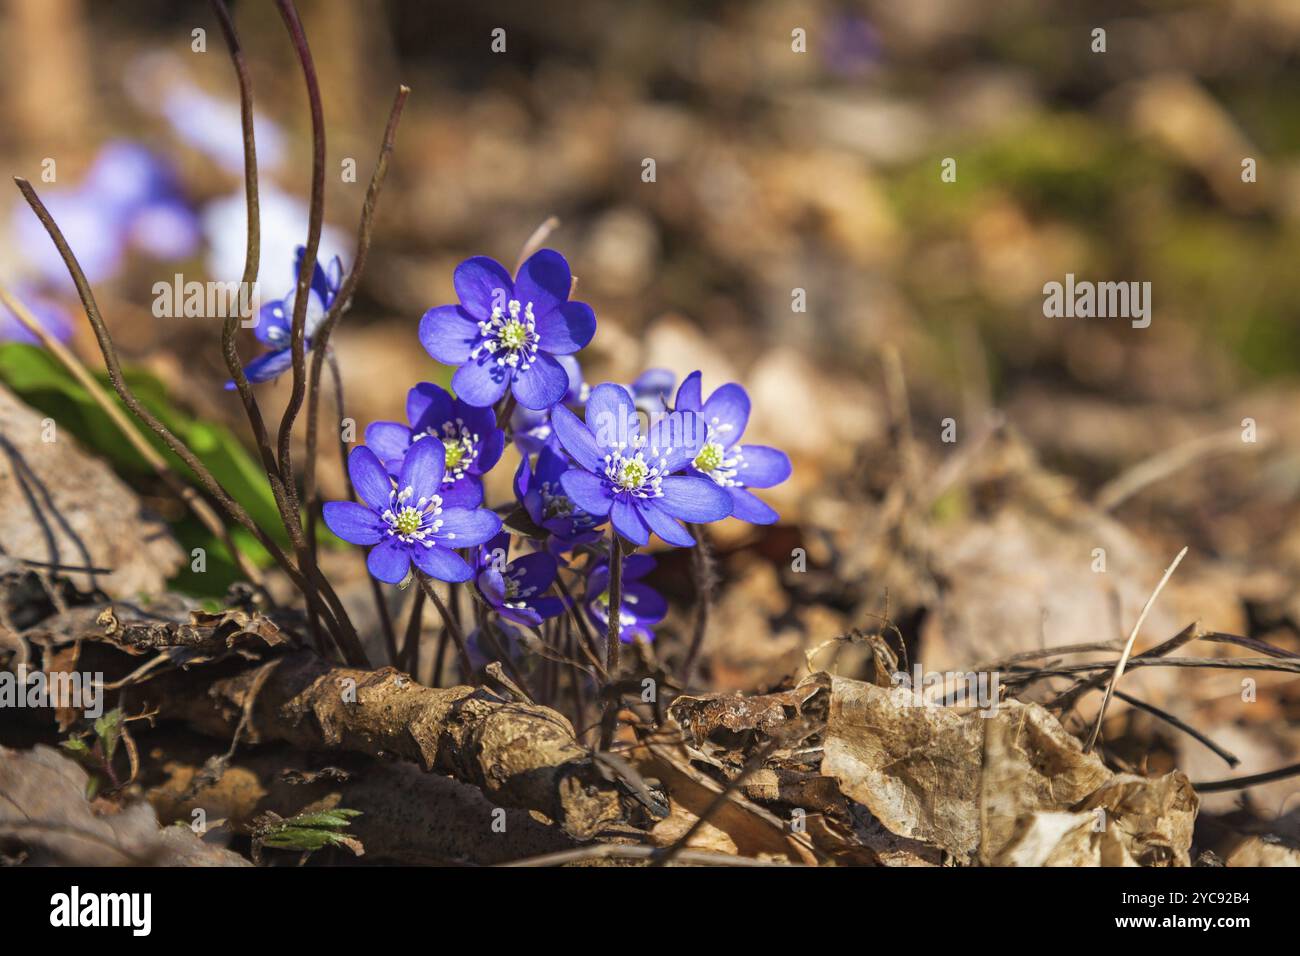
(641,607)
(130,198)
(470,436)
(50,314)
(652,388)
(631,477)
(540,490)
(275,321)
(731,465)
(518,589)
(506,334)
(531,428)
(408,522)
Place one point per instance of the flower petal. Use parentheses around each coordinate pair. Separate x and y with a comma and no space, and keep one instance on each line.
(689,395)
(535,570)
(694,499)
(272,324)
(637,566)
(587,491)
(441,563)
(427,404)
(544,280)
(676,437)
(763,467)
(370,478)
(491,583)
(353,522)
(727,413)
(747,507)
(628,522)
(466,492)
(489,453)
(542,384)
(388,440)
(611,417)
(482,382)
(448,333)
(643,601)
(423,469)
(389,561)
(666,526)
(268,365)
(482,284)
(577,439)
(467,527)
(567,329)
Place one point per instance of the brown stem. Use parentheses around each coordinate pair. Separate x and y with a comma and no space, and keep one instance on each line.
(426,585)
(343,299)
(109,352)
(705,579)
(612,638)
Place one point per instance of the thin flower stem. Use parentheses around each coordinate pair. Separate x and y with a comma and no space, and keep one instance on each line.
(505,411)
(705,578)
(181,488)
(109,352)
(282,489)
(612,638)
(315,222)
(376,591)
(410,655)
(341,301)
(426,584)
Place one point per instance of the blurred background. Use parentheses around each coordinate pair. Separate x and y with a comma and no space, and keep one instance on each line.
(798,151)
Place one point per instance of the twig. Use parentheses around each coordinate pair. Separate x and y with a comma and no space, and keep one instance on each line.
(182,489)
(1128,649)
(1163,464)
(1229,758)
(1239,783)
(615,851)
(535,241)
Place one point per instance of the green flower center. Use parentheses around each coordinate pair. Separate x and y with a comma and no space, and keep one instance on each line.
(633,473)
(455,454)
(513,334)
(710,457)
(408,521)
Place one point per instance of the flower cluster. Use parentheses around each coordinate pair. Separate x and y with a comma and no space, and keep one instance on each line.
(586,460)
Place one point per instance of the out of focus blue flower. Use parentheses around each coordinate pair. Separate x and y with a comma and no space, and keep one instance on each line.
(55,318)
(129,201)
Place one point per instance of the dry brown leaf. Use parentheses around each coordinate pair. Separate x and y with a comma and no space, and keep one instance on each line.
(44,806)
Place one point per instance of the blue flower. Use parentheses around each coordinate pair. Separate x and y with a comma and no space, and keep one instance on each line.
(632,477)
(722,458)
(540,490)
(130,200)
(652,388)
(275,321)
(517,589)
(506,334)
(641,606)
(470,436)
(407,522)
(49,313)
